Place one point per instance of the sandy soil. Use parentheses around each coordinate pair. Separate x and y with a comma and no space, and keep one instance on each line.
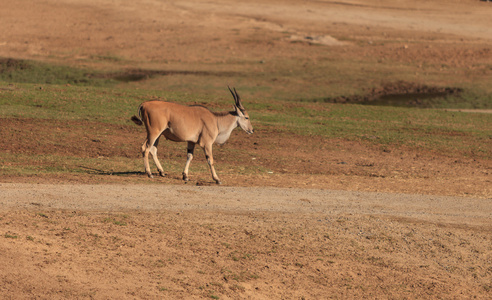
(186,31)
(148,241)
(406,225)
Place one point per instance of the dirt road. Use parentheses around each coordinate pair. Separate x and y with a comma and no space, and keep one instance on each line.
(451,210)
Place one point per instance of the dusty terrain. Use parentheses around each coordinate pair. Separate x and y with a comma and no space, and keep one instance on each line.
(126,241)
(342,220)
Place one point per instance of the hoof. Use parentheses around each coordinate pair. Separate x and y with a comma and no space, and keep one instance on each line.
(218,182)
(185,178)
(150,176)
(162,174)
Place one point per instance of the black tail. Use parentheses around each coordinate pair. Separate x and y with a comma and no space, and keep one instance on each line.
(137,120)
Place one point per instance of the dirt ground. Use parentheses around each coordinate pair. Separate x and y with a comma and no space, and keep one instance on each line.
(345,221)
(170,241)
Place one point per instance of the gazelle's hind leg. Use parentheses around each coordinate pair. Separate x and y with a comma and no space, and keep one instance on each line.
(146,159)
(153,151)
(146,148)
(145,155)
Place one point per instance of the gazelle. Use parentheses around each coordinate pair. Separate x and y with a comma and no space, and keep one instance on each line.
(194,124)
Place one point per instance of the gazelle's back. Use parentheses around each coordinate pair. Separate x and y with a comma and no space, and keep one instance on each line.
(186,123)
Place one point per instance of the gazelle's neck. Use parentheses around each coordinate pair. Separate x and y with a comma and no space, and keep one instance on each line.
(226,124)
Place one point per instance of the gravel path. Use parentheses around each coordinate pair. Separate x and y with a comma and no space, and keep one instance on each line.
(239,199)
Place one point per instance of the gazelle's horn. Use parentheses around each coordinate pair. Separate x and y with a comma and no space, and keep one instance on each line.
(238,99)
(233,95)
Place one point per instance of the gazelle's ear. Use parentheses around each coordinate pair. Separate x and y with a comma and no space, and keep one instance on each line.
(238,111)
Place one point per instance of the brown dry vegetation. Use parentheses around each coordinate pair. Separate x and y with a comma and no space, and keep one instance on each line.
(437,245)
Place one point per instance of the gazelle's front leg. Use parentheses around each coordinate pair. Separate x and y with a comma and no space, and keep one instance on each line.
(191,149)
(210,160)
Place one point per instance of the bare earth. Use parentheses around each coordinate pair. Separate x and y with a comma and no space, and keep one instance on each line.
(124,241)
(344,221)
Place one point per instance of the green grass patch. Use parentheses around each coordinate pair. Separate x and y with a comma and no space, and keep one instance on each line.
(431,129)
(284,96)
(27,71)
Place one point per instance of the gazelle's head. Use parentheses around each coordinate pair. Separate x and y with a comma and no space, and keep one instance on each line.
(243,117)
